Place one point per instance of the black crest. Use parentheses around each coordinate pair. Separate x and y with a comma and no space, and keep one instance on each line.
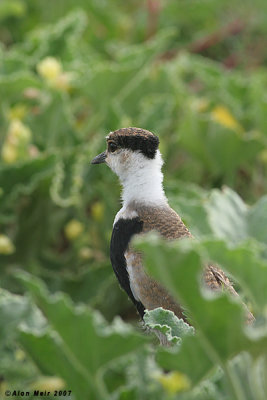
(136,139)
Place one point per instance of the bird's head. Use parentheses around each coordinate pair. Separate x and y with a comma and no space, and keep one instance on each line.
(130,151)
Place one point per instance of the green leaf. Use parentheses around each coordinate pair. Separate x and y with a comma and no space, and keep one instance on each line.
(23,177)
(227,215)
(78,338)
(15,310)
(12,85)
(245,265)
(218,319)
(257,220)
(190,358)
(166,322)
(12,8)
(232,220)
(55,39)
(48,346)
(222,213)
(52,126)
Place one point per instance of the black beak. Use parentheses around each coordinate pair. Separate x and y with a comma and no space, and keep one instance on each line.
(101,158)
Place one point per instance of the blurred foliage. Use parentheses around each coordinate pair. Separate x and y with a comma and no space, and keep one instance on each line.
(193,72)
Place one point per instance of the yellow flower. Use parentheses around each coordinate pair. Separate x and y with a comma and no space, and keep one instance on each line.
(200,104)
(17,112)
(223,116)
(48,383)
(97,211)
(6,246)
(20,355)
(9,153)
(49,68)
(85,253)
(263,156)
(16,143)
(174,382)
(73,229)
(18,133)
(62,82)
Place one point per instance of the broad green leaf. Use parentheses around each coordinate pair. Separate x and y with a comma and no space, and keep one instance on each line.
(52,126)
(12,8)
(190,358)
(194,214)
(15,310)
(232,220)
(78,336)
(218,319)
(23,177)
(52,357)
(257,220)
(222,213)
(245,265)
(54,39)
(166,322)
(227,215)
(13,85)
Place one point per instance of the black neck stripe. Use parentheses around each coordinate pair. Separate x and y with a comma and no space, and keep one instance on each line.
(123,231)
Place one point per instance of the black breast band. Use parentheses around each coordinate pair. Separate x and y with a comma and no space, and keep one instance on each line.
(122,233)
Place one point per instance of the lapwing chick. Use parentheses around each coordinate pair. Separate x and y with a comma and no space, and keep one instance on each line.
(133,154)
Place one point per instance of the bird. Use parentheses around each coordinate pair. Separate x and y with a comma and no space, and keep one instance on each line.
(134,155)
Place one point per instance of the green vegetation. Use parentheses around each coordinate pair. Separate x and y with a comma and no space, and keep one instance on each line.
(194,72)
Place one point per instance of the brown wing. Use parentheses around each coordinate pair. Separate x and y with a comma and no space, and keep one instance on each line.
(215,279)
(163,220)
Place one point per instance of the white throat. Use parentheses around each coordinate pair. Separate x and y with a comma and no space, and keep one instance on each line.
(142,181)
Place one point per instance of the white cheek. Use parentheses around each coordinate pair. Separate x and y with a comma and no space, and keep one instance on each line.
(112,162)
(119,162)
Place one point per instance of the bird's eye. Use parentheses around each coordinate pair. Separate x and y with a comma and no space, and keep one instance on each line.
(112,147)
